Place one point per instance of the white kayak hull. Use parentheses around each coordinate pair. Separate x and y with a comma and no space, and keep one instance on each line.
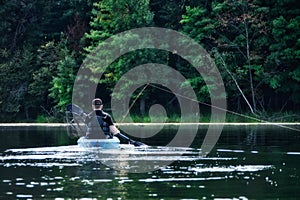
(113,143)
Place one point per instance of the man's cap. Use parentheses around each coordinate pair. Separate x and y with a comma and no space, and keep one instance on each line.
(97,102)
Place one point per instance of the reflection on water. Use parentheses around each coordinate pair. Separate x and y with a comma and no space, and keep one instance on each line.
(125,158)
(248,162)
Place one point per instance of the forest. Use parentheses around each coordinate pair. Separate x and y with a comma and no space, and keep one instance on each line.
(254,43)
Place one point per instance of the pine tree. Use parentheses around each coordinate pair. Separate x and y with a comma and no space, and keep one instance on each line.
(113,17)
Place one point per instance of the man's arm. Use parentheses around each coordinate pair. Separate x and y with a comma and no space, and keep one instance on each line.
(113,129)
(116,132)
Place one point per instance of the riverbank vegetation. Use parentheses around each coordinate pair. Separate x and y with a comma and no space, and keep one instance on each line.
(255,45)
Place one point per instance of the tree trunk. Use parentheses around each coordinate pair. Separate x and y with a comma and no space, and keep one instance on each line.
(26,112)
(236,83)
(249,65)
(142,106)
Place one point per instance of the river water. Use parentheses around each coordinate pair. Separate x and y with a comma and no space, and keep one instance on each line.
(248,162)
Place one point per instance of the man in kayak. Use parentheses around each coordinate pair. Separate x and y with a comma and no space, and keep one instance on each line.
(101,126)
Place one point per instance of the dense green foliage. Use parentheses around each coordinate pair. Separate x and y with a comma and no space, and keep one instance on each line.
(255,44)
(37,37)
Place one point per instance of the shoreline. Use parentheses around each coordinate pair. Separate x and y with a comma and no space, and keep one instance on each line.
(157,124)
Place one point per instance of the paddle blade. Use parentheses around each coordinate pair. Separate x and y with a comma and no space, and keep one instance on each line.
(138,144)
(75,109)
(75,118)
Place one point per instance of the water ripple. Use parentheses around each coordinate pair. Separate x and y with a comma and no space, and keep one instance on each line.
(239,168)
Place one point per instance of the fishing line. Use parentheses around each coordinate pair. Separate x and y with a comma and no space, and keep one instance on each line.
(229,111)
(139,94)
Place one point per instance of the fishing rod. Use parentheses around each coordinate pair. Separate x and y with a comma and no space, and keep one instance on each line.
(222,109)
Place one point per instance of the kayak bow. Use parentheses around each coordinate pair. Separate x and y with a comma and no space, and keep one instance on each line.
(113,143)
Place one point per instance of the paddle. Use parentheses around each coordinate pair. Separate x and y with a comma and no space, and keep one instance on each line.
(130,141)
(78,111)
(77,119)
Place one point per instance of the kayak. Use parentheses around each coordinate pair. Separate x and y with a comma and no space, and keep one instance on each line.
(113,143)
(77,127)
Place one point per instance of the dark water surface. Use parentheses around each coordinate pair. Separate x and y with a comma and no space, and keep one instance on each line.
(248,162)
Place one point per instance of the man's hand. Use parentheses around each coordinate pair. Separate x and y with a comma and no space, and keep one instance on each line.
(137,144)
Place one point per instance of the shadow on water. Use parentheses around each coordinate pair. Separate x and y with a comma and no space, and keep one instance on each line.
(252,162)
(36,136)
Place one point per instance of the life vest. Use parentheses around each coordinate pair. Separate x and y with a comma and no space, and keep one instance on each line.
(97,128)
